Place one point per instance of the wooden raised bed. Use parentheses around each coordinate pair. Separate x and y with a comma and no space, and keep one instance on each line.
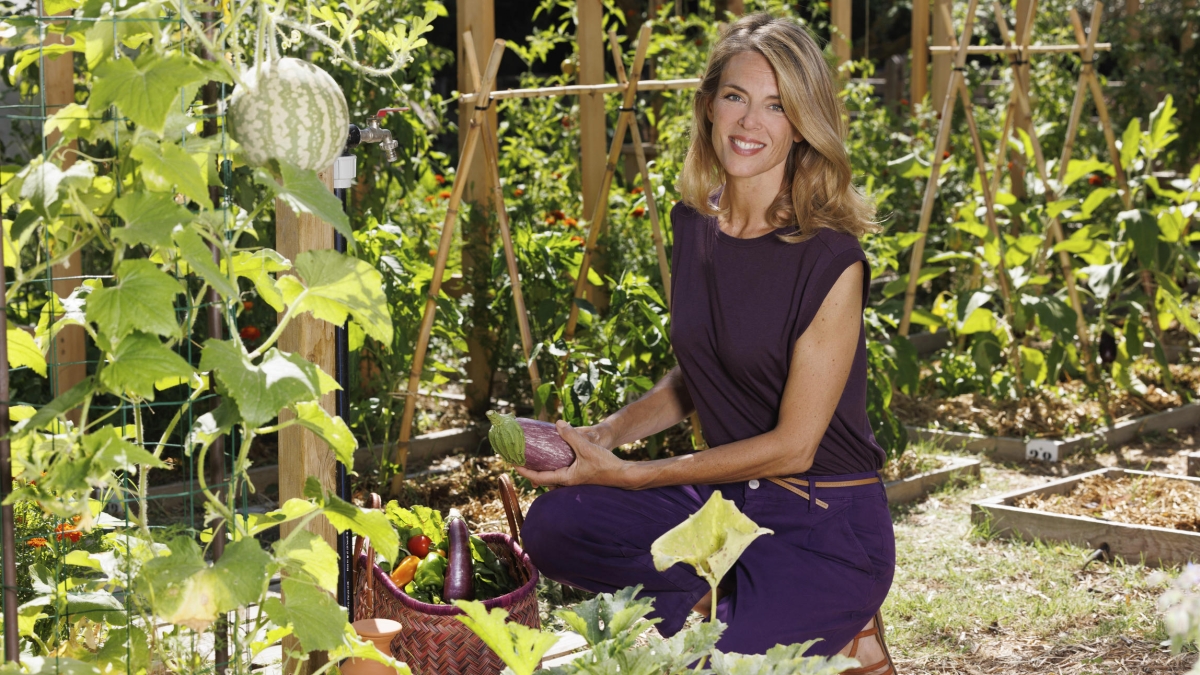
(1012,449)
(1154,545)
(907,490)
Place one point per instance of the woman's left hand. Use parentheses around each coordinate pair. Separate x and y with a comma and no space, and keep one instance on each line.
(593,465)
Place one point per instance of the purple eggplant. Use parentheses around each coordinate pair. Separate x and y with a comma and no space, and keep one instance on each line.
(529,443)
(459,584)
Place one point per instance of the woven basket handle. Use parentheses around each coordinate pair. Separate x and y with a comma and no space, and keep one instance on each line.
(512,507)
(369,568)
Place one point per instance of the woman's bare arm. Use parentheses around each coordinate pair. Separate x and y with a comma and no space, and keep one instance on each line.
(820,365)
(664,406)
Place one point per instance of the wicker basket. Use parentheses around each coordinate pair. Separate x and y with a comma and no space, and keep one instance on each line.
(433,641)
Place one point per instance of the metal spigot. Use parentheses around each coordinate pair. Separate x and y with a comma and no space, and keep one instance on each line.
(374,132)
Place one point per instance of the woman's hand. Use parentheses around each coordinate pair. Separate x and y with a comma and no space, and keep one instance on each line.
(594,463)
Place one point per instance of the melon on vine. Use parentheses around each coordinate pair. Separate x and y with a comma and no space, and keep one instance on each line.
(290,111)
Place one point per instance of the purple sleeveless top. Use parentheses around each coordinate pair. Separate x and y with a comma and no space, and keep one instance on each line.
(737,308)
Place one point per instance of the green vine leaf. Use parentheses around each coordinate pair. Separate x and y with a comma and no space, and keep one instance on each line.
(307,553)
(199,256)
(145,90)
(23,351)
(150,218)
(68,400)
(331,429)
(518,646)
(304,192)
(138,362)
(315,617)
(258,268)
(781,660)
(335,286)
(368,523)
(610,615)
(143,299)
(262,390)
(168,167)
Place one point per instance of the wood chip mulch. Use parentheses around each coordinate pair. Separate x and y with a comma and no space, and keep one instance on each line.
(1000,655)
(1137,500)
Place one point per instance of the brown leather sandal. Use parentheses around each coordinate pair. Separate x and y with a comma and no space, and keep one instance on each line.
(884,667)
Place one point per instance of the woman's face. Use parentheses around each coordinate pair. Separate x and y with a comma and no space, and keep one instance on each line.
(751,134)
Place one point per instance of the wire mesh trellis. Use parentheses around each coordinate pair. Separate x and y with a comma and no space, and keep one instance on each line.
(44,549)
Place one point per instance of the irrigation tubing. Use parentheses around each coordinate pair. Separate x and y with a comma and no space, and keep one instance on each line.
(12,639)
(341,349)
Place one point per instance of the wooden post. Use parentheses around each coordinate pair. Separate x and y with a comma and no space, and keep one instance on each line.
(592,119)
(465,161)
(599,206)
(69,355)
(920,51)
(942,62)
(839,11)
(491,147)
(302,454)
(477,18)
(1188,39)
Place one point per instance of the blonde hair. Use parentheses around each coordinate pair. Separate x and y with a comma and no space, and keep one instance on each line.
(817,190)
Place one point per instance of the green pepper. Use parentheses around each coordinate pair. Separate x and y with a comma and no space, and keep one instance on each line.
(431,572)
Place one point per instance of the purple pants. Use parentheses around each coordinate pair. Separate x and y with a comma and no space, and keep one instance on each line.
(823,574)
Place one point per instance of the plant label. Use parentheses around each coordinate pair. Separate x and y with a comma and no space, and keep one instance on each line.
(1041,450)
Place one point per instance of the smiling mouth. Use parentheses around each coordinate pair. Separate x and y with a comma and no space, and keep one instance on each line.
(746,146)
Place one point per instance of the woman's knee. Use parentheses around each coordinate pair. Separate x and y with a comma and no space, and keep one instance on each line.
(553,526)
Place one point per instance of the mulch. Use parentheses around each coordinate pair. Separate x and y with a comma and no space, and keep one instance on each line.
(1010,655)
(1138,500)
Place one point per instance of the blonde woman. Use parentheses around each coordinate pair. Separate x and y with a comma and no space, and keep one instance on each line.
(769,286)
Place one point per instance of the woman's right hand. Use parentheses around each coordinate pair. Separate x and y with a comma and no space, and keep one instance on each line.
(600,434)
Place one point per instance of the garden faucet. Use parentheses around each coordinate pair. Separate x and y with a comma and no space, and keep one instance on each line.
(344,171)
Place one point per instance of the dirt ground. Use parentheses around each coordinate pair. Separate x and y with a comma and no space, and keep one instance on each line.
(963,602)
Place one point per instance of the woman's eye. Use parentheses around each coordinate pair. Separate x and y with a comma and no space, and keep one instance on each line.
(776,107)
(732,97)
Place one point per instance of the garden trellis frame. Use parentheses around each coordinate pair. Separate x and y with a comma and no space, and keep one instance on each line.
(478,130)
(1019,52)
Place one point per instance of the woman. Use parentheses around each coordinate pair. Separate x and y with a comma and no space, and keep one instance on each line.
(768,293)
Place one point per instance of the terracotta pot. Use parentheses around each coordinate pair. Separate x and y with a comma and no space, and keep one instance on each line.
(379,632)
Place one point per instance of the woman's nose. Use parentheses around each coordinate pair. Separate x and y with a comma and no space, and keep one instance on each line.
(749,120)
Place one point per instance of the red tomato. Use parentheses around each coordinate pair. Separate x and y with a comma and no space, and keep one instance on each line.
(248,305)
(419,545)
(250,333)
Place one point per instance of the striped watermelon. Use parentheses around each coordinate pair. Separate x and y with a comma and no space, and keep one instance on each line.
(292,112)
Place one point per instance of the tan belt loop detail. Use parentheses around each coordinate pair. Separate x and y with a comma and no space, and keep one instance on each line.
(798,491)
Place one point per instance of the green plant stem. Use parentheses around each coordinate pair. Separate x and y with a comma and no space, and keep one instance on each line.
(278,332)
(209,497)
(143,479)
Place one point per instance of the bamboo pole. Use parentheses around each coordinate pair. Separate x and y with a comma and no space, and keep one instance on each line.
(1028,49)
(490,147)
(664,266)
(596,218)
(1089,72)
(935,169)
(587,89)
(593,125)
(839,11)
(942,61)
(964,93)
(439,267)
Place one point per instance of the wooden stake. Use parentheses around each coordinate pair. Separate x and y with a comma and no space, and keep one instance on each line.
(1006,291)
(935,169)
(588,89)
(839,11)
(599,209)
(490,146)
(439,267)
(664,266)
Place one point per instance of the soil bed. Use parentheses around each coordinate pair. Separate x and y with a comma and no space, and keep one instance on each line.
(1049,412)
(1136,500)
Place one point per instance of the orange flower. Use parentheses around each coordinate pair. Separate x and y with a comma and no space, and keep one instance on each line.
(636,191)
(67,531)
(570,222)
(557,175)
(1095,179)
(946,155)
(432,253)
(566,122)
(444,194)
(441,180)
(558,214)
(518,192)
(550,219)
(37,542)
(639,212)
(577,240)
(430,198)
(904,102)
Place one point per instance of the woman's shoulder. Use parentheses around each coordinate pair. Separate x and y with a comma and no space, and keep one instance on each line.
(829,243)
